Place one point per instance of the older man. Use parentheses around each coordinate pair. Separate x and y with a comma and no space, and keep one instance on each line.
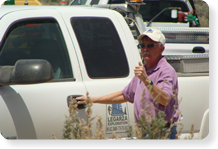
(156,75)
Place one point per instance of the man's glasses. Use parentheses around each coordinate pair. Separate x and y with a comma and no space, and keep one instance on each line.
(149,45)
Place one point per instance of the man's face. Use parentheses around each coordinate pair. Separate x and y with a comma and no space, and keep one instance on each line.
(149,53)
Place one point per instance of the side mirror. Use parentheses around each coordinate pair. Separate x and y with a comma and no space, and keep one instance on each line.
(26,72)
(174,13)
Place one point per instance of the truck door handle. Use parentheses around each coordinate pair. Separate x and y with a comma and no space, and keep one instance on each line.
(80,106)
(198,49)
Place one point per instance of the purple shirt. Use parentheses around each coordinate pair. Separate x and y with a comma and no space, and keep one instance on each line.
(133,91)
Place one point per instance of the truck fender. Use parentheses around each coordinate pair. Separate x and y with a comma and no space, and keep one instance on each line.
(204,129)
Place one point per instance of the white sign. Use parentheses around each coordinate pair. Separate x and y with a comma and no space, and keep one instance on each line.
(117,118)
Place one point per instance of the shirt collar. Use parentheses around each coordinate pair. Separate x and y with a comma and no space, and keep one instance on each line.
(157,66)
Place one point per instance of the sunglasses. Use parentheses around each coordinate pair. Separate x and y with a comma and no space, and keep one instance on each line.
(149,45)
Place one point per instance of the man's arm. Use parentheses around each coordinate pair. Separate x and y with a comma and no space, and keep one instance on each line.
(113,98)
(158,94)
(163,98)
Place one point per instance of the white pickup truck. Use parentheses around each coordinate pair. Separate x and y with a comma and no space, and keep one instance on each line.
(88,49)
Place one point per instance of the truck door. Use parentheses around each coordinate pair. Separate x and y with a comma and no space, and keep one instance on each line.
(36,111)
(106,64)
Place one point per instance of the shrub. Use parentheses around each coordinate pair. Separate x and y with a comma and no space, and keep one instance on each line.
(74,128)
(148,127)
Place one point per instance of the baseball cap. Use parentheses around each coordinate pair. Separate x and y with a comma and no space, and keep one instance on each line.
(153,34)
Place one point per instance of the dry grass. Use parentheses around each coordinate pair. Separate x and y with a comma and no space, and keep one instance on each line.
(76,128)
(153,126)
(149,127)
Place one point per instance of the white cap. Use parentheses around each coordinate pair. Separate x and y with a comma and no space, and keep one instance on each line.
(153,34)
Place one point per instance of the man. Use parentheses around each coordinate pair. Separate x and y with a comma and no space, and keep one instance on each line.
(156,75)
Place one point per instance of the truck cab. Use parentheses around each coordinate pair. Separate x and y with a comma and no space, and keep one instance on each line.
(80,50)
(88,49)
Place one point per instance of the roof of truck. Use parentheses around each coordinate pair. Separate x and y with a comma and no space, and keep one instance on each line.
(8,9)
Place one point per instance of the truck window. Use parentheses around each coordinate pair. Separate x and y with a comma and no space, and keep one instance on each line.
(37,39)
(152,8)
(116,1)
(94,2)
(78,2)
(101,47)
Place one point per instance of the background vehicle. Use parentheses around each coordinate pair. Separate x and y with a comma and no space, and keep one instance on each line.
(180,38)
(155,13)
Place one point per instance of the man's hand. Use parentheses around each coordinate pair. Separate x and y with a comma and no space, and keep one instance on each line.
(81,100)
(140,72)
